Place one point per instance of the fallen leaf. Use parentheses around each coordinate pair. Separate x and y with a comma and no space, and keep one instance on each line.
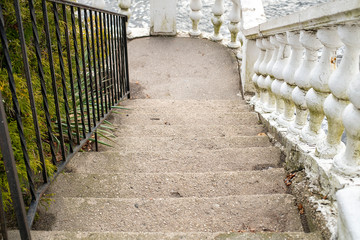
(301,209)
(262,134)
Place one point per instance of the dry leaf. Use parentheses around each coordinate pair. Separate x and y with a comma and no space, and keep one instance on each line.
(301,209)
(262,134)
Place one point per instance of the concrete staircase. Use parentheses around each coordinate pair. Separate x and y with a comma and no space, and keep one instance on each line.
(178,169)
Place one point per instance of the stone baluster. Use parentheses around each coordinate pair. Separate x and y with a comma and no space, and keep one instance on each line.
(98,4)
(263,72)
(282,59)
(256,99)
(234,25)
(195,15)
(302,79)
(217,20)
(274,47)
(348,162)
(289,82)
(319,79)
(125,9)
(336,102)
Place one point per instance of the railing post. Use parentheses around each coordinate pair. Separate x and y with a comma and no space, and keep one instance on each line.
(282,59)
(257,98)
(234,25)
(319,79)
(217,20)
(163,17)
(302,79)
(288,86)
(125,9)
(336,102)
(195,16)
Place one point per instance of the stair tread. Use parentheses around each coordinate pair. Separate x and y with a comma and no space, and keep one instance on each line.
(252,158)
(275,212)
(129,144)
(190,131)
(185,118)
(153,185)
(60,235)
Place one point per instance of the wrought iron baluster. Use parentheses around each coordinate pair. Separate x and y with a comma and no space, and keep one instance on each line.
(63,78)
(108,18)
(70,67)
(42,80)
(99,62)
(84,69)
(53,78)
(30,89)
(95,71)
(78,76)
(126,59)
(5,144)
(103,51)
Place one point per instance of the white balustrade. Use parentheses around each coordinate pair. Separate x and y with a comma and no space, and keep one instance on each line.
(319,78)
(335,103)
(273,48)
(195,16)
(256,99)
(348,162)
(281,61)
(234,25)
(288,86)
(217,20)
(125,9)
(263,72)
(302,79)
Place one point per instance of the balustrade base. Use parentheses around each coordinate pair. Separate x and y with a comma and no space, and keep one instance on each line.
(341,168)
(309,137)
(196,33)
(325,150)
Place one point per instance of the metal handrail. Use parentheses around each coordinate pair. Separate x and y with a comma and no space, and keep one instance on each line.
(102,65)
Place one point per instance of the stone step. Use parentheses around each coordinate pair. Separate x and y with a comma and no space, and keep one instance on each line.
(184,105)
(276,212)
(242,159)
(190,131)
(131,144)
(186,118)
(60,235)
(177,185)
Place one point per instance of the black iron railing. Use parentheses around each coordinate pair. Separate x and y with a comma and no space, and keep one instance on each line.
(86,57)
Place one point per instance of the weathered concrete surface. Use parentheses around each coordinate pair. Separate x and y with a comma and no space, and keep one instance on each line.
(176,185)
(181,166)
(61,235)
(182,68)
(273,212)
(243,159)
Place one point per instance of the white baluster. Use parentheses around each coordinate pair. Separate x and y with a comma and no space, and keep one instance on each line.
(319,78)
(263,72)
(217,20)
(195,15)
(288,86)
(348,162)
(336,102)
(282,59)
(302,79)
(98,4)
(274,49)
(125,9)
(256,99)
(234,25)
